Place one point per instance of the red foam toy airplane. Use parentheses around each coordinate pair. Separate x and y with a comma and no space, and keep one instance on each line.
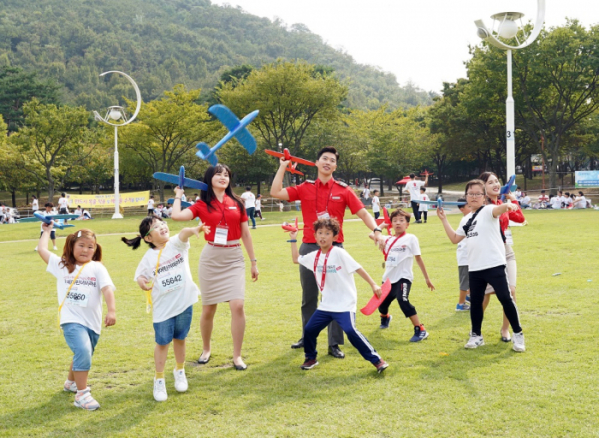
(375,302)
(385,220)
(288,227)
(293,161)
(426,173)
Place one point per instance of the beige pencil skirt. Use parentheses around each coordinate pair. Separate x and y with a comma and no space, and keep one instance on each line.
(222,274)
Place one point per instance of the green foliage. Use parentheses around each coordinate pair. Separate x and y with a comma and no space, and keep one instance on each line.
(162,43)
(17,88)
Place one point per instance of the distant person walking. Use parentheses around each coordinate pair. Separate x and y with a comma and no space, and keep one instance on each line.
(413,187)
(250,205)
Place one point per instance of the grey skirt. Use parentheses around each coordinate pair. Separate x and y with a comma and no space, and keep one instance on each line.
(222,274)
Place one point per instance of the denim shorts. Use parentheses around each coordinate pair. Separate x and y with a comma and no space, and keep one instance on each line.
(82,342)
(176,327)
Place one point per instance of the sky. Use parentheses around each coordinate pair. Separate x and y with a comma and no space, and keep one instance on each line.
(422,41)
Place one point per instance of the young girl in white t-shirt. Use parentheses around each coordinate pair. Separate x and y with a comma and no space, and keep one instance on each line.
(81,282)
(486,260)
(165,276)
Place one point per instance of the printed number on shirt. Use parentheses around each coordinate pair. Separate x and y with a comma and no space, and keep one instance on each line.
(76,298)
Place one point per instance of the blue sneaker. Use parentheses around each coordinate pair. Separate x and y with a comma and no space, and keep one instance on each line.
(468,297)
(420,333)
(462,307)
(385,321)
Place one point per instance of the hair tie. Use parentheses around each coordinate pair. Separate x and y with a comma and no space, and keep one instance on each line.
(79,234)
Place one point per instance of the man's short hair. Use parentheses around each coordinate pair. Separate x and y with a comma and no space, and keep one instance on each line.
(412,176)
(329,149)
(248,188)
(400,212)
(330,224)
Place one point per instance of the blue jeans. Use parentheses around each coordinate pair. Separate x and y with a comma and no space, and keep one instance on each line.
(347,320)
(176,327)
(250,211)
(82,342)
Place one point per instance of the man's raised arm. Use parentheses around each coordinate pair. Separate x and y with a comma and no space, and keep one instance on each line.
(277,190)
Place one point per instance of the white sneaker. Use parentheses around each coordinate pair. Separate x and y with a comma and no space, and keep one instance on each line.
(86,401)
(518,342)
(70,386)
(475,341)
(160,390)
(55,248)
(35,249)
(180,380)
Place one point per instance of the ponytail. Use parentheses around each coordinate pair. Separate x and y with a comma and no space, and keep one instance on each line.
(144,230)
(134,243)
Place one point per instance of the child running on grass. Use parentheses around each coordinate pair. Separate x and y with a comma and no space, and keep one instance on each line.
(165,276)
(333,268)
(486,260)
(400,251)
(81,282)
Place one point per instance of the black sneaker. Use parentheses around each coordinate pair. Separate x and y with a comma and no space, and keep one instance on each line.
(385,321)
(309,364)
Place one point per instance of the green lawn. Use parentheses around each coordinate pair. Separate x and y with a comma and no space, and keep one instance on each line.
(434,388)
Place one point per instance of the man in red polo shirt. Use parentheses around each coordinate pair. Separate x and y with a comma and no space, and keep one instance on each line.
(322,198)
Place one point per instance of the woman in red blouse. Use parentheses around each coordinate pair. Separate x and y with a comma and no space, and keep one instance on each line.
(492,188)
(222,267)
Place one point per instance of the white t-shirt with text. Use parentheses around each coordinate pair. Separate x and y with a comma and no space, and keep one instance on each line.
(151,204)
(414,188)
(400,258)
(423,207)
(174,289)
(63,203)
(250,200)
(376,204)
(84,303)
(339,293)
(485,245)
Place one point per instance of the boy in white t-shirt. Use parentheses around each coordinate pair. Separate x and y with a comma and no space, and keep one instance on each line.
(423,208)
(333,268)
(165,275)
(413,186)
(151,206)
(376,204)
(400,251)
(462,256)
(49,206)
(250,205)
(63,204)
(486,260)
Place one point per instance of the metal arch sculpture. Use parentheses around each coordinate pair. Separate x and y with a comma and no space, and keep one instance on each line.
(98,117)
(487,35)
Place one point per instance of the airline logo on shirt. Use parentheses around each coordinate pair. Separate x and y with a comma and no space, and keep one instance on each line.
(331,269)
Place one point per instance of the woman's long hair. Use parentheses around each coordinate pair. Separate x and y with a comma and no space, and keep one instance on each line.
(144,229)
(209,196)
(68,258)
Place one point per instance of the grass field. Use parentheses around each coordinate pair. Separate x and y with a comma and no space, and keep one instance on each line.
(433,388)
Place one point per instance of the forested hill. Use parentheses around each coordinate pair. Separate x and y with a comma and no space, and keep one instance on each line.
(165,42)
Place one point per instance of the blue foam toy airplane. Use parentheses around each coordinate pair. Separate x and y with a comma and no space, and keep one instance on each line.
(180,180)
(439,203)
(237,129)
(508,187)
(183,203)
(39,216)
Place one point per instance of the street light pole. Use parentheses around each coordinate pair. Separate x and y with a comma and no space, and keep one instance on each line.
(508,29)
(117,113)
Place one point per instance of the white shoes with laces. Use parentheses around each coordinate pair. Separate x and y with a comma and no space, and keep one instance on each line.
(518,342)
(160,390)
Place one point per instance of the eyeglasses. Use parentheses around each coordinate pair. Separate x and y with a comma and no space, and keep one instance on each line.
(475,195)
(160,225)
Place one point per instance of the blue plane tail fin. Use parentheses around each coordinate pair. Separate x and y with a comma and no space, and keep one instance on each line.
(205,153)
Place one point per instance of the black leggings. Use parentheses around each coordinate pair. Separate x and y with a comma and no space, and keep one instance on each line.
(497,278)
(425,214)
(258,213)
(401,291)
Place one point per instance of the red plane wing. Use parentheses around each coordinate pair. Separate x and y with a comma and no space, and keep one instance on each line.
(291,157)
(273,153)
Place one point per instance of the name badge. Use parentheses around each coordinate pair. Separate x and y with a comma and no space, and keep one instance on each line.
(508,237)
(220,235)
(392,261)
(232,208)
(336,198)
(323,215)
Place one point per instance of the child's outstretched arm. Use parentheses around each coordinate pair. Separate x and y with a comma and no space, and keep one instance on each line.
(423,269)
(42,246)
(294,250)
(448,230)
(375,287)
(186,233)
(110,319)
(500,209)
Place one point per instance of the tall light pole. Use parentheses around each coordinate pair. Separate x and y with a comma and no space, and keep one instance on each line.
(117,113)
(508,29)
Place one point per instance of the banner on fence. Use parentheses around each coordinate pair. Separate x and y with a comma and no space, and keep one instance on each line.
(586,178)
(105,201)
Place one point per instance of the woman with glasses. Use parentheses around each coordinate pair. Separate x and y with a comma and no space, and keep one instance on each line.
(492,189)
(486,260)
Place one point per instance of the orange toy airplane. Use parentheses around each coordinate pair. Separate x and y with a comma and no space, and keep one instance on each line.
(288,227)
(293,161)
(385,220)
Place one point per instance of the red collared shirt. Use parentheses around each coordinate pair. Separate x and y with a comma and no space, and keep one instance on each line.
(514,216)
(225,213)
(317,197)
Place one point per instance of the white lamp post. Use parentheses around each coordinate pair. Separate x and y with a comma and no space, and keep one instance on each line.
(508,29)
(117,113)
